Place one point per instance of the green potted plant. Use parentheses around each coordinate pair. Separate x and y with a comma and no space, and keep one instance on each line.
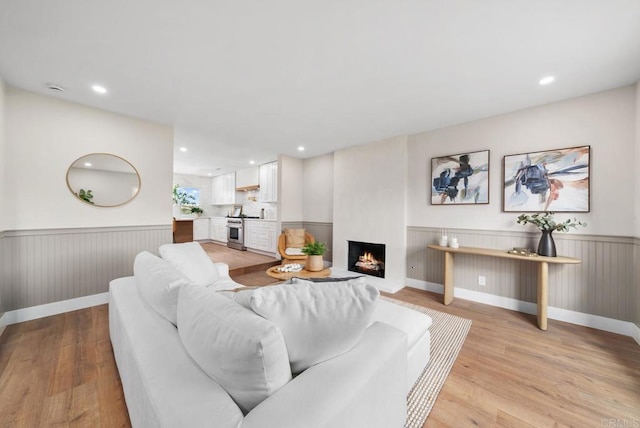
(197,211)
(314,251)
(546,223)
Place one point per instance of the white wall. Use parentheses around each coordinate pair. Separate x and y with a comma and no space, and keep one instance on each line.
(369,203)
(637,211)
(45,135)
(317,194)
(290,192)
(2,153)
(2,182)
(605,121)
(636,193)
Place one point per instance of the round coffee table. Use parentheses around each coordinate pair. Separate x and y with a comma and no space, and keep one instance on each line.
(274,273)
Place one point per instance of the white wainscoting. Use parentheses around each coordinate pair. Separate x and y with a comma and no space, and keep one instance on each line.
(46,266)
(602,285)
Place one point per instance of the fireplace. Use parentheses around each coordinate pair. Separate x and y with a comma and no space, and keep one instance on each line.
(367,258)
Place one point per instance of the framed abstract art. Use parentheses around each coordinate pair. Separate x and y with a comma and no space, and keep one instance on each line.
(461,179)
(550,180)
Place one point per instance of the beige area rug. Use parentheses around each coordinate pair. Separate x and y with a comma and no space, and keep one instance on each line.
(448,333)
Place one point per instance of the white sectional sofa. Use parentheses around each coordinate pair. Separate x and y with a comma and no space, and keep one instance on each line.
(165,387)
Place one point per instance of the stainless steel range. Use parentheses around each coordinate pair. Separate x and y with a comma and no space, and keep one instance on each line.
(235,233)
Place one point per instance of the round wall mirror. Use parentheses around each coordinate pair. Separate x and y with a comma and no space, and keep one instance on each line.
(103,180)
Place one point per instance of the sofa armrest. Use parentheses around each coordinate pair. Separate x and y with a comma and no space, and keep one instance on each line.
(366,387)
(223,269)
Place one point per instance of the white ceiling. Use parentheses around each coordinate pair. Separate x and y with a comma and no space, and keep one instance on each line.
(247,80)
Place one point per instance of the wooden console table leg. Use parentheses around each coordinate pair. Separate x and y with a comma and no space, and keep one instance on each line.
(543,294)
(448,278)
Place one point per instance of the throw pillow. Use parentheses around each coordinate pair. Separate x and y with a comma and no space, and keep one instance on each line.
(240,350)
(192,261)
(158,284)
(318,321)
(293,251)
(294,238)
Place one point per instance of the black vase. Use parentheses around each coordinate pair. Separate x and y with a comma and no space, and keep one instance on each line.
(547,247)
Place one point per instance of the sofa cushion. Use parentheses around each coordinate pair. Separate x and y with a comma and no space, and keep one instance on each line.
(294,238)
(158,283)
(243,352)
(294,251)
(318,321)
(192,261)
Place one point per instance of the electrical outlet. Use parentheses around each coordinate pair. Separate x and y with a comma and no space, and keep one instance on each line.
(482,280)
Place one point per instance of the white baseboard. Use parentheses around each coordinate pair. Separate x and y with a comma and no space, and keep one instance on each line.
(588,320)
(636,333)
(55,308)
(2,325)
(382,284)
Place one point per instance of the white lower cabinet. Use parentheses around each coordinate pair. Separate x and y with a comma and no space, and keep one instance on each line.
(219,229)
(260,235)
(200,229)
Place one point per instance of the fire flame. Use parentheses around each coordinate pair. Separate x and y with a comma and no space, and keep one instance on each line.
(368,258)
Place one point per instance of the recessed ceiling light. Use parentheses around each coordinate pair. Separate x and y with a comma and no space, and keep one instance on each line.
(99,89)
(300,149)
(546,80)
(252,162)
(183,149)
(209,174)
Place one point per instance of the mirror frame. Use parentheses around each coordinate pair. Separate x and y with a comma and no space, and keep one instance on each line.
(73,192)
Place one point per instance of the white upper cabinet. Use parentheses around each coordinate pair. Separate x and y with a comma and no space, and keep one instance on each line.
(224,189)
(269,182)
(248,178)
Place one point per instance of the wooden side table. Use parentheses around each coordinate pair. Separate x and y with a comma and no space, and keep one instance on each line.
(274,273)
(543,273)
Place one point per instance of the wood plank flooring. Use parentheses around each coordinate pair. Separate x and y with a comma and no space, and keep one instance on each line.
(511,374)
(240,262)
(59,371)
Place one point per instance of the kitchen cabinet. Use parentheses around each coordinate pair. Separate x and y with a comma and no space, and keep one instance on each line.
(219,229)
(248,178)
(269,182)
(201,229)
(223,189)
(260,235)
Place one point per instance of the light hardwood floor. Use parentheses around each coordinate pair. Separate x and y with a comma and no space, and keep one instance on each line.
(60,371)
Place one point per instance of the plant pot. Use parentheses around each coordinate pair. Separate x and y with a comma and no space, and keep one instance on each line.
(314,264)
(547,247)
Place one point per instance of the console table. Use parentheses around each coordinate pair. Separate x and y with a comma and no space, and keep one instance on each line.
(543,273)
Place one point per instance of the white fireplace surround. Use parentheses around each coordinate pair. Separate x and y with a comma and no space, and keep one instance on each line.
(370,205)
